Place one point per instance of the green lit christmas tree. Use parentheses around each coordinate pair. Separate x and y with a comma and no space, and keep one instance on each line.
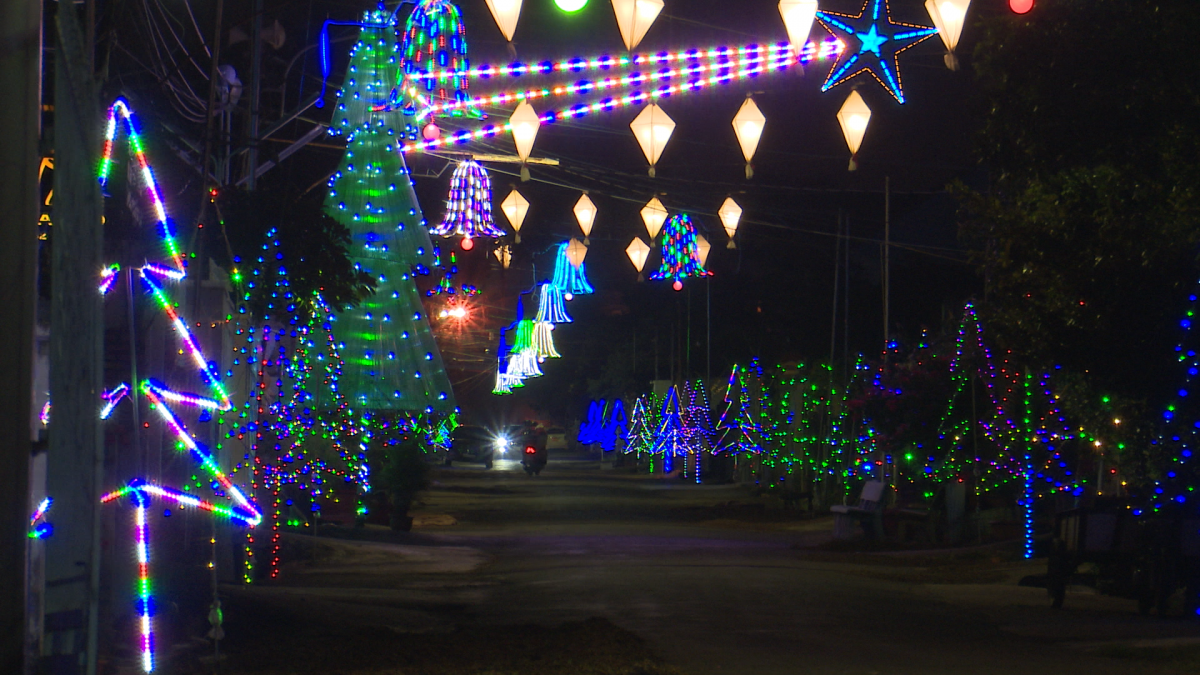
(392,363)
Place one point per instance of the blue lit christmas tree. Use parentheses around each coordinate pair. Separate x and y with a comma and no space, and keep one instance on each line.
(392,363)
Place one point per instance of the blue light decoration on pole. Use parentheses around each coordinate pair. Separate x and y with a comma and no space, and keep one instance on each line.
(873,45)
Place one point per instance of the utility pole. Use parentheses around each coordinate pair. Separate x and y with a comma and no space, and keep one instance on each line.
(887,258)
(255,88)
(75,461)
(20,79)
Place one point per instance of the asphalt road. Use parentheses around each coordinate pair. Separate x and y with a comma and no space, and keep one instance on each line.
(716,586)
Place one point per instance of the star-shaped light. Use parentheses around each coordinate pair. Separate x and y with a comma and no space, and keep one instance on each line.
(880,41)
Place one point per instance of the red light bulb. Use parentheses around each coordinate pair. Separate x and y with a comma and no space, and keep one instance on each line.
(467,244)
(678,285)
(1020,6)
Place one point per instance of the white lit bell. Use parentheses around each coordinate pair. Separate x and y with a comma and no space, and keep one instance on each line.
(652,128)
(515,206)
(748,124)
(506,13)
(948,17)
(638,251)
(798,18)
(585,213)
(524,125)
(731,216)
(634,18)
(854,117)
(654,214)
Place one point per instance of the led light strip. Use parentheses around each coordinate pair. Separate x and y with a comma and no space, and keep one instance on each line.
(583,110)
(203,457)
(824,49)
(180,397)
(108,277)
(185,499)
(120,106)
(142,547)
(210,378)
(584,87)
(113,398)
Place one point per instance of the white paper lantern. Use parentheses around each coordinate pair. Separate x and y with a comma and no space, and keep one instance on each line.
(748,125)
(948,17)
(585,213)
(524,125)
(576,252)
(634,18)
(702,249)
(506,13)
(798,18)
(638,251)
(854,117)
(515,206)
(504,255)
(654,214)
(731,216)
(652,128)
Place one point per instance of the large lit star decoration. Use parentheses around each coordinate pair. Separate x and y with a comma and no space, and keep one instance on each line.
(873,45)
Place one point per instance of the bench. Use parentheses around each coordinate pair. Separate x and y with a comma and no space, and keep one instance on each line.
(869,510)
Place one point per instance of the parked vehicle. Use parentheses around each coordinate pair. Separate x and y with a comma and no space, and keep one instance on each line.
(472,444)
(556,438)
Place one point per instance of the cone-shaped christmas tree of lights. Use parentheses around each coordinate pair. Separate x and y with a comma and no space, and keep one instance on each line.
(680,256)
(435,40)
(391,360)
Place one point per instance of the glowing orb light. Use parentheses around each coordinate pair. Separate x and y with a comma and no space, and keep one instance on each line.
(467,244)
(570,5)
(1020,6)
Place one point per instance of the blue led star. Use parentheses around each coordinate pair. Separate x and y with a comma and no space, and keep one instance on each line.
(880,41)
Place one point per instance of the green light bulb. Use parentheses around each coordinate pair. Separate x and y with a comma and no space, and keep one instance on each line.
(570,6)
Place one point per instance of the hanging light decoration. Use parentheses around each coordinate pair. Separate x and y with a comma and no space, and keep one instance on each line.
(702,249)
(731,215)
(854,117)
(798,18)
(948,17)
(576,252)
(506,13)
(634,17)
(543,341)
(524,123)
(469,208)
(504,255)
(654,214)
(515,206)
(638,251)
(748,125)
(585,213)
(652,128)
(551,308)
(570,277)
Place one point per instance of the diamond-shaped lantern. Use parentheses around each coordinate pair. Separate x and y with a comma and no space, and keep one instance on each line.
(948,17)
(748,125)
(515,206)
(654,214)
(702,249)
(585,213)
(798,18)
(524,124)
(854,117)
(652,128)
(638,251)
(576,252)
(731,215)
(634,17)
(506,13)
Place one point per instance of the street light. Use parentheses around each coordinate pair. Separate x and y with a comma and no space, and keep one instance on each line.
(652,128)
(634,17)
(798,18)
(654,214)
(524,124)
(731,216)
(638,251)
(748,125)
(585,213)
(854,117)
(515,206)
(948,17)
(506,13)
